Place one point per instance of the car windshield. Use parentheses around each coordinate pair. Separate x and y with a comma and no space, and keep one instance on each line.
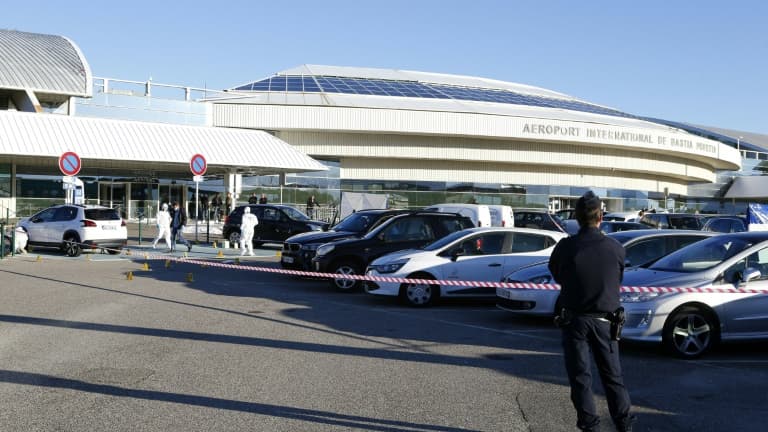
(356,222)
(439,244)
(295,214)
(702,255)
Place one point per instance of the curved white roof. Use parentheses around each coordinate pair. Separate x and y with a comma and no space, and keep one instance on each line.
(102,142)
(424,77)
(43,63)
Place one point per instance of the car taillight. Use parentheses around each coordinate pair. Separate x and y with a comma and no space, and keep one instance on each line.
(89,223)
(226,220)
(122,222)
(503,223)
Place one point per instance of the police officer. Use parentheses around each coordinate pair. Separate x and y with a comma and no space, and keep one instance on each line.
(589,267)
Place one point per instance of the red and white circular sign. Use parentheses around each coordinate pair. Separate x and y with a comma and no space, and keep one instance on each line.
(69,163)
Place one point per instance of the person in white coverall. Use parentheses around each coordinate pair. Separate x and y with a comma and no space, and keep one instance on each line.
(163,227)
(247,226)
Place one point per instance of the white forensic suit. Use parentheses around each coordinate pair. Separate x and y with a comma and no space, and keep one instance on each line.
(247,227)
(163,227)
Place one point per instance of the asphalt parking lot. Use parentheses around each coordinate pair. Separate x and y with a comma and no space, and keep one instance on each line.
(187,347)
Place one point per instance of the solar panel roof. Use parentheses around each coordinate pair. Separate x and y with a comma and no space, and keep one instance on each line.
(416,89)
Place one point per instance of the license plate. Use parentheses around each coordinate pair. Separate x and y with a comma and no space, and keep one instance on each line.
(108,227)
(287,259)
(503,292)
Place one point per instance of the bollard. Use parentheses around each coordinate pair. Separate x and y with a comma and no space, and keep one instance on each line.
(220,254)
(129,275)
(214,245)
(190,278)
(167,263)
(145,267)
(226,244)
(2,241)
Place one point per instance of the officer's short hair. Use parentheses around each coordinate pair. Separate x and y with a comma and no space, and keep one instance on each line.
(588,209)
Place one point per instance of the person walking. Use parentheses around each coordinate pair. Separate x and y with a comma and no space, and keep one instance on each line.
(228,204)
(253,199)
(216,206)
(263,199)
(247,227)
(311,203)
(178,221)
(589,267)
(163,227)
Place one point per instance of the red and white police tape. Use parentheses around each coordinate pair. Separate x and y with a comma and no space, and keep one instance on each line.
(481,284)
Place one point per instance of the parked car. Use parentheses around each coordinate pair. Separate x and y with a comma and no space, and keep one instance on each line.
(479,254)
(539,219)
(616,226)
(277,222)
(642,247)
(479,213)
(689,324)
(673,221)
(501,215)
(412,230)
(630,216)
(567,217)
(73,228)
(725,224)
(299,249)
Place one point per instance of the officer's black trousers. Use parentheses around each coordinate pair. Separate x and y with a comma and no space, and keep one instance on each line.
(581,335)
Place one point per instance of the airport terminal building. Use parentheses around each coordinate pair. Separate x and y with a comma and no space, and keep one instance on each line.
(420,138)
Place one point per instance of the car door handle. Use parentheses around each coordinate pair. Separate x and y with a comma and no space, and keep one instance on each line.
(494,265)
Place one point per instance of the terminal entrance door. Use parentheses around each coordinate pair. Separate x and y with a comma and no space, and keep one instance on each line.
(113,194)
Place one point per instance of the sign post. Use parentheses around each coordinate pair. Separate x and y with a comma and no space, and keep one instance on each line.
(198,166)
(70,164)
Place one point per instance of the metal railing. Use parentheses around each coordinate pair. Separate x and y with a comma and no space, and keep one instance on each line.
(144,88)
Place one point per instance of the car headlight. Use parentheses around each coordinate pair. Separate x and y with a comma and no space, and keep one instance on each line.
(543,279)
(633,297)
(315,228)
(390,267)
(325,249)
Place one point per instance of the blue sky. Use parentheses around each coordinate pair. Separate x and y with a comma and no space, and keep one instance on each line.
(703,62)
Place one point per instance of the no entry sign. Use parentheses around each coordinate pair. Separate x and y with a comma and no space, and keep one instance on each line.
(198,165)
(69,163)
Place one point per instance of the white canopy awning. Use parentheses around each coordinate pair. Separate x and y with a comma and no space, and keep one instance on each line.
(101,143)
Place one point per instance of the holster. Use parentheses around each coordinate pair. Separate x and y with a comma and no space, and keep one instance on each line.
(563,318)
(617,319)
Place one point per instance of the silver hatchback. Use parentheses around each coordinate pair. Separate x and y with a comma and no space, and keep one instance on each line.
(689,324)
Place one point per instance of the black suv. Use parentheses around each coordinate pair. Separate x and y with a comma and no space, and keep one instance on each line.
(540,219)
(411,230)
(277,222)
(298,250)
(672,221)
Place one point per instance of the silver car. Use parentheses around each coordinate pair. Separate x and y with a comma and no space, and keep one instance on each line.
(642,247)
(689,323)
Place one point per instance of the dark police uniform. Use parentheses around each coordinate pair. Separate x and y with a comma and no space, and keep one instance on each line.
(589,267)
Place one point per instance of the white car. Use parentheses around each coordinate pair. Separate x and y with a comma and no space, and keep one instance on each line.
(641,246)
(73,228)
(476,254)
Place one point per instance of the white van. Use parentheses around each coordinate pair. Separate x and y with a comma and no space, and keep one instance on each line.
(479,213)
(501,215)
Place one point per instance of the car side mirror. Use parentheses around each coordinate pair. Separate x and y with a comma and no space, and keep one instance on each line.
(35,220)
(456,253)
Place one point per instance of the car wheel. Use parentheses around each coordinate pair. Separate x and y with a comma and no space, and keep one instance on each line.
(72,245)
(234,237)
(421,294)
(690,332)
(346,268)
